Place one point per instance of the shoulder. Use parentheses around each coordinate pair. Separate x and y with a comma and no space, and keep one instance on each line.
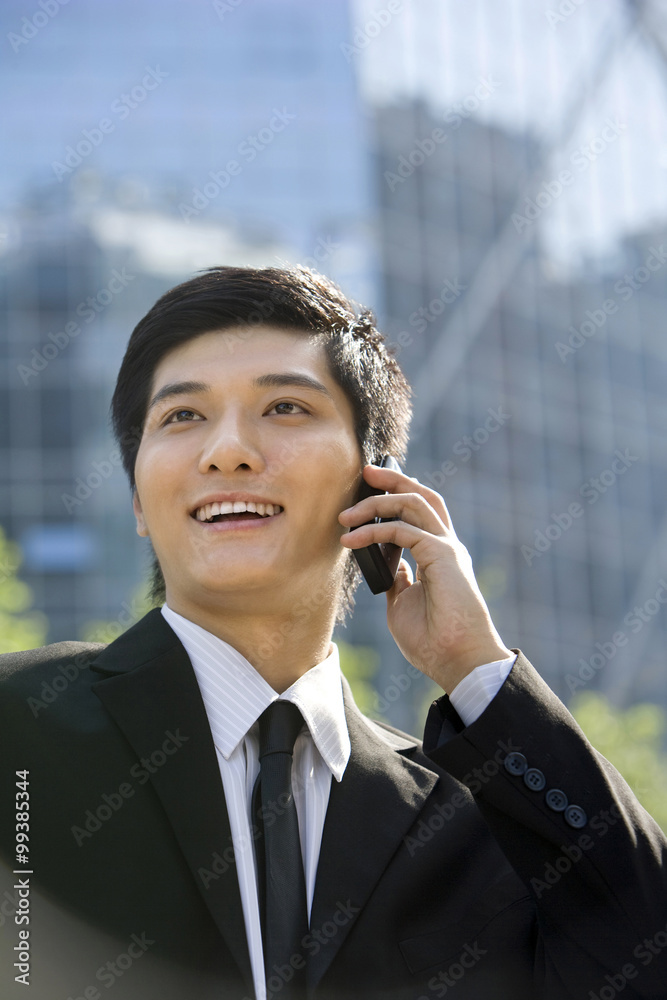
(32,680)
(63,657)
(396,738)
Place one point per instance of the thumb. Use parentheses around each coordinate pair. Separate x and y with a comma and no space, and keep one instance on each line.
(404,579)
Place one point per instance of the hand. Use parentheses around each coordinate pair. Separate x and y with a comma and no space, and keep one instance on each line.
(439,621)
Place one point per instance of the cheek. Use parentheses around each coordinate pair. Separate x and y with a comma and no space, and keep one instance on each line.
(340,491)
(157,472)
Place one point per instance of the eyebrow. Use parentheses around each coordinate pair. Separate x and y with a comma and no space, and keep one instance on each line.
(270,380)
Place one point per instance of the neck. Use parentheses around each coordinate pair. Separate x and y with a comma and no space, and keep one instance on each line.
(281,646)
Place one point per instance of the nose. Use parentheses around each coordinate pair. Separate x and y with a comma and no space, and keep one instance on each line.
(232,443)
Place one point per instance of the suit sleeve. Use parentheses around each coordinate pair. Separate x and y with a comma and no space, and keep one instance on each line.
(570,826)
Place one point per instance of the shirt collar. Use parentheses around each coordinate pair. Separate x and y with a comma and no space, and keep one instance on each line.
(235,694)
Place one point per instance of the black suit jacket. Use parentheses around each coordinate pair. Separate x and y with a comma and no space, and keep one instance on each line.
(440,874)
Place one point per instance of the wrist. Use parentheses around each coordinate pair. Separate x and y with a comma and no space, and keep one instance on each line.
(450,674)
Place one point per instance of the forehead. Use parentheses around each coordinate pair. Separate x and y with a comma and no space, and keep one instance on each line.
(248,360)
(242,350)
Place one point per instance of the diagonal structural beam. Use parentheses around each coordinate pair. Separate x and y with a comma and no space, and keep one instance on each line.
(503,256)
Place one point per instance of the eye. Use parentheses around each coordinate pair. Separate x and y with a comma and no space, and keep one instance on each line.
(182,416)
(287,408)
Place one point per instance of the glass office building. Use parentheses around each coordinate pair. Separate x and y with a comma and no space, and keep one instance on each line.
(416,159)
(149,141)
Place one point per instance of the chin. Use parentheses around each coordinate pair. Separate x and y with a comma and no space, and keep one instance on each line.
(233,581)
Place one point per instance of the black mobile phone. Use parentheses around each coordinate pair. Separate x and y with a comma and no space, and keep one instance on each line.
(379,562)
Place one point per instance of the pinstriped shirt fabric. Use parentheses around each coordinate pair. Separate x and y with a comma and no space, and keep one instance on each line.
(476,691)
(234,696)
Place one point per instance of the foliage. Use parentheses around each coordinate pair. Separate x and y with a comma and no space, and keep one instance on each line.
(18,629)
(103,630)
(633,741)
(360,665)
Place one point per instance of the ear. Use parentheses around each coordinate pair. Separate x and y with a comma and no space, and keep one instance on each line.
(139,514)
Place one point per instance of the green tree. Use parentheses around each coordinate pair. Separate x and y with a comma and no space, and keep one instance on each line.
(633,741)
(360,665)
(106,630)
(18,628)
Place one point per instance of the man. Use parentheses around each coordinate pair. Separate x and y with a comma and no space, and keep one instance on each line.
(504,859)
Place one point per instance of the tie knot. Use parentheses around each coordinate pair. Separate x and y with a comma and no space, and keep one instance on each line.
(279,726)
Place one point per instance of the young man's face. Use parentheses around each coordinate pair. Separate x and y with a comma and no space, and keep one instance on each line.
(246,420)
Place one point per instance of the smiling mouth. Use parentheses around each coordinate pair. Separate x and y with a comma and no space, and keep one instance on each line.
(237,510)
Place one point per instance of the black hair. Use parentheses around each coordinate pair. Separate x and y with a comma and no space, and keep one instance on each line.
(294,298)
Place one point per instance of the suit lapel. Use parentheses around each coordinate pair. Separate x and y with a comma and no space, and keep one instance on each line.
(150,690)
(369,812)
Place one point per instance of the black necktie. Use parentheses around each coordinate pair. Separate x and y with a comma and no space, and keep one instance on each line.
(281,883)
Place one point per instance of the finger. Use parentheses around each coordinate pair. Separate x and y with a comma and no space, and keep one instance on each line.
(404,579)
(412,508)
(399,482)
(400,533)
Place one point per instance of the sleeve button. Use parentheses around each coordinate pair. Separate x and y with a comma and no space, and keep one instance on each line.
(556,799)
(515,763)
(576,817)
(534,779)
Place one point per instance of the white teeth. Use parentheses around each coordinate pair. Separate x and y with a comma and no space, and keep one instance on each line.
(211,510)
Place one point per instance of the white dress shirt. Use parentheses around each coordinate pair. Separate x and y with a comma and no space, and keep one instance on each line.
(235,695)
